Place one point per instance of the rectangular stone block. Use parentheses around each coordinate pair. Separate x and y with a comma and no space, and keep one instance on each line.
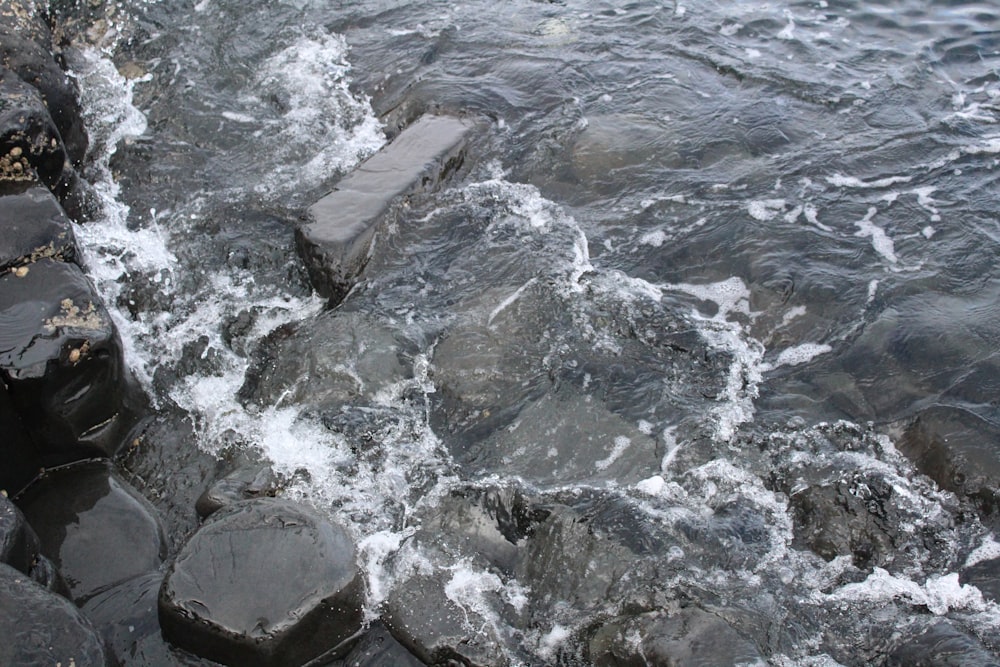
(335,240)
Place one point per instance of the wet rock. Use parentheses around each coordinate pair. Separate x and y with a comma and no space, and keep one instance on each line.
(335,241)
(251,480)
(42,628)
(94,526)
(27,49)
(689,636)
(338,357)
(215,603)
(29,139)
(847,517)
(437,629)
(166,464)
(378,648)
(940,644)
(984,575)
(61,359)
(19,544)
(960,451)
(34,226)
(563,437)
(126,618)
(20,466)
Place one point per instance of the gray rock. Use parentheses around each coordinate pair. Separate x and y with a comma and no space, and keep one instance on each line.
(378,648)
(691,637)
(41,628)
(335,242)
(61,359)
(251,480)
(984,575)
(34,226)
(264,582)
(940,644)
(338,357)
(960,451)
(94,526)
(436,629)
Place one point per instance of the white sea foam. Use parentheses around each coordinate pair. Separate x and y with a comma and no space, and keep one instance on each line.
(881,242)
(840,180)
(801,354)
(940,594)
(765,209)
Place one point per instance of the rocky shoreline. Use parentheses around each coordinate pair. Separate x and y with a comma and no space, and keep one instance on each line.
(100,567)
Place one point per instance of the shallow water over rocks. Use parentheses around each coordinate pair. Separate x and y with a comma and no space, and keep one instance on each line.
(680,350)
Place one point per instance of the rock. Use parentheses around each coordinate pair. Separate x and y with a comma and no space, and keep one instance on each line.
(847,517)
(126,617)
(378,648)
(437,629)
(29,139)
(215,602)
(960,451)
(251,480)
(690,637)
(563,437)
(19,544)
(94,526)
(41,628)
(336,358)
(61,359)
(334,243)
(19,466)
(26,48)
(984,575)
(34,226)
(940,644)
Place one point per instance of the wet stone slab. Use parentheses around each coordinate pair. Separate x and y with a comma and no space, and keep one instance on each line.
(96,528)
(33,226)
(336,240)
(264,582)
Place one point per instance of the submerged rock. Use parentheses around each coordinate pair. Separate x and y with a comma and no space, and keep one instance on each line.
(335,241)
(263,582)
(94,526)
(378,648)
(960,451)
(61,359)
(691,637)
(41,628)
(250,480)
(425,619)
(336,358)
(940,644)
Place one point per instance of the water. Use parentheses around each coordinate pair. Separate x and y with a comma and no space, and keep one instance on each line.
(729,247)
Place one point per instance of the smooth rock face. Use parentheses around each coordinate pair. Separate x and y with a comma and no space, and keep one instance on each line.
(96,528)
(61,359)
(126,617)
(691,637)
(263,582)
(18,452)
(378,648)
(41,628)
(941,645)
(251,480)
(960,451)
(33,226)
(335,242)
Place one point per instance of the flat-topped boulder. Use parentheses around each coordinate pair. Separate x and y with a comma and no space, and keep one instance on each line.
(335,240)
(265,583)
